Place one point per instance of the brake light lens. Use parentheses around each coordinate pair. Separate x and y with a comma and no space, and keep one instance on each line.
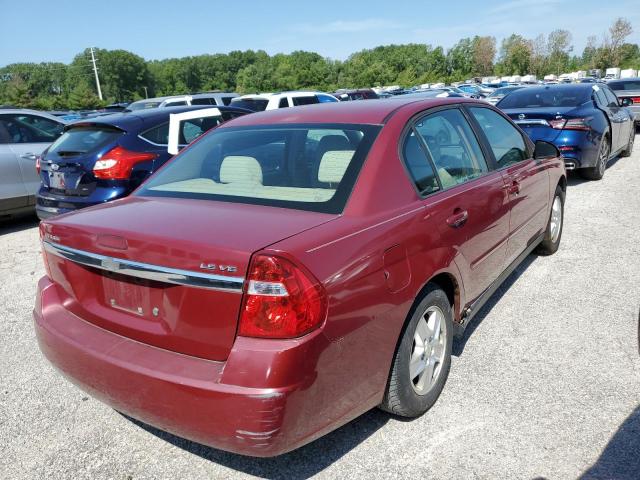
(635,99)
(570,124)
(118,163)
(282,300)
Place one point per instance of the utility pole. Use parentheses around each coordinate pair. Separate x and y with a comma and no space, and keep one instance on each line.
(146,94)
(95,71)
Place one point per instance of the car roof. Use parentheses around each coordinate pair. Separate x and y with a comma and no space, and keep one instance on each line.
(213,94)
(13,111)
(135,119)
(374,112)
(162,99)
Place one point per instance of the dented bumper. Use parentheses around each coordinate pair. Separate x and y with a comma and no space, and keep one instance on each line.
(251,404)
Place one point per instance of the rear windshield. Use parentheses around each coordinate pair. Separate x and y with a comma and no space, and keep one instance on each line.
(80,140)
(628,85)
(255,104)
(142,105)
(546,97)
(308,167)
(504,91)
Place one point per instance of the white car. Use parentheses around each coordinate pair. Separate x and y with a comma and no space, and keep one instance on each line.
(213,98)
(259,102)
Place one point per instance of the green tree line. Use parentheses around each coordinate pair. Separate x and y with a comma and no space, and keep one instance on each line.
(125,76)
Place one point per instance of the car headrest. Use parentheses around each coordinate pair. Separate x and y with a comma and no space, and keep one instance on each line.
(333,165)
(333,142)
(240,169)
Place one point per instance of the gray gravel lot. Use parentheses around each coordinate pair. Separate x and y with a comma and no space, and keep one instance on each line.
(546,383)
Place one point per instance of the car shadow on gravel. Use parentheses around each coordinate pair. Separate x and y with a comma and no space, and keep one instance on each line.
(621,457)
(574,179)
(11,225)
(302,463)
(459,343)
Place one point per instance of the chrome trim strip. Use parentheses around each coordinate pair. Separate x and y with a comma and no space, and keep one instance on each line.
(147,271)
(531,121)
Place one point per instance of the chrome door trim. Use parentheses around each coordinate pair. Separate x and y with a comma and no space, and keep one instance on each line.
(147,271)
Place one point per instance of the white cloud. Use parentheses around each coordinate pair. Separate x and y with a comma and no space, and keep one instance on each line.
(346,26)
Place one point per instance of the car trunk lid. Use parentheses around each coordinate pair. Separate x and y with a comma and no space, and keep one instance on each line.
(166,272)
(535,121)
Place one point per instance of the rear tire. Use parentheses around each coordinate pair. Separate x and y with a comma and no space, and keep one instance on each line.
(627,151)
(553,233)
(597,172)
(423,357)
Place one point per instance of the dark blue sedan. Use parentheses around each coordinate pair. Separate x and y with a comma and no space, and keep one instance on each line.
(587,123)
(105,158)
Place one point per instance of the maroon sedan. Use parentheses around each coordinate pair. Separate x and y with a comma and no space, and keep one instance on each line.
(293,269)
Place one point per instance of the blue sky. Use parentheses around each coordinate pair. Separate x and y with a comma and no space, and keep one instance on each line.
(56,30)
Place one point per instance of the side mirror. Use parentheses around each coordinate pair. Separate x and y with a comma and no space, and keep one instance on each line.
(626,102)
(545,150)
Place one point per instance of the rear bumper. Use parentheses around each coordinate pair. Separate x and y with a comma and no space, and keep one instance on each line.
(49,204)
(202,400)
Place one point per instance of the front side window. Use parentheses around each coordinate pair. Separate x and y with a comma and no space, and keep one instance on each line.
(452,146)
(290,166)
(612,100)
(202,101)
(505,140)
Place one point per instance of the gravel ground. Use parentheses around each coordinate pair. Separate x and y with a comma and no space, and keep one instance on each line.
(546,382)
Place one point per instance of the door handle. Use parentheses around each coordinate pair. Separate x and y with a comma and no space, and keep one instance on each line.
(458,218)
(29,156)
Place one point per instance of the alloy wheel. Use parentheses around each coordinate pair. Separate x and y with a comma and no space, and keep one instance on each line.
(427,354)
(556,219)
(604,157)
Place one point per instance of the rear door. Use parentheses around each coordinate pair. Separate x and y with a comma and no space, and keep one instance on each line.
(621,119)
(526,179)
(470,209)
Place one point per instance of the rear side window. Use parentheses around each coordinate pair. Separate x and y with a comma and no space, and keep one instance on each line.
(284,103)
(202,101)
(226,100)
(28,129)
(452,146)
(322,98)
(505,140)
(310,100)
(81,140)
(289,166)
(189,130)
(255,104)
(176,104)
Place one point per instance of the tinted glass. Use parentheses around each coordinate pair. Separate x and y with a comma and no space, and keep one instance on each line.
(304,100)
(505,140)
(327,98)
(176,104)
(452,146)
(28,129)
(418,165)
(601,98)
(202,101)
(289,166)
(226,100)
(547,97)
(255,104)
(189,129)
(284,103)
(626,85)
(80,140)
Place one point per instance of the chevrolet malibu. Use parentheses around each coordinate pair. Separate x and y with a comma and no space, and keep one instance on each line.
(293,269)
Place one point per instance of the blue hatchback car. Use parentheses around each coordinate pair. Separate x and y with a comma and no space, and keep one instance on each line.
(587,123)
(105,158)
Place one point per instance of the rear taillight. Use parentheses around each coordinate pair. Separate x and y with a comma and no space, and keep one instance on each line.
(570,124)
(282,300)
(635,99)
(118,163)
(38,157)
